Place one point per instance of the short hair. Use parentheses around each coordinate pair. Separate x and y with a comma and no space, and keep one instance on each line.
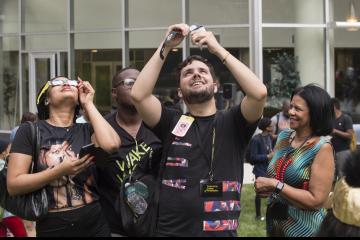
(116,76)
(43,110)
(352,168)
(28,116)
(264,123)
(320,107)
(189,60)
(336,103)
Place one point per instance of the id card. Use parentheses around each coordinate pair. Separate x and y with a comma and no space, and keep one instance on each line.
(183,125)
(210,188)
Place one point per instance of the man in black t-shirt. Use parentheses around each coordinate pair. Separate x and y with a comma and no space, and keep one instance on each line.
(201,183)
(342,134)
(140,148)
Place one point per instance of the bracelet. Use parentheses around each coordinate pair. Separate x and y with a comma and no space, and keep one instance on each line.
(224,59)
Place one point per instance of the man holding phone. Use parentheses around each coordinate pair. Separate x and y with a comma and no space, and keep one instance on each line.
(201,183)
(139,151)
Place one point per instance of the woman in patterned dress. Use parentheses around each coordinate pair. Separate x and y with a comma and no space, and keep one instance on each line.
(301,173)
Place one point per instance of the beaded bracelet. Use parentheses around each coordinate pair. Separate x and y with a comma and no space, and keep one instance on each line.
(224,59)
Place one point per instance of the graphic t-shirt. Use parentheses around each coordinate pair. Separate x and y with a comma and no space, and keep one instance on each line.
(144,153)
(57,144)
(182,211)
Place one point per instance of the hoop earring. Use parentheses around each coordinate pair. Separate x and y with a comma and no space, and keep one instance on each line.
(46,102)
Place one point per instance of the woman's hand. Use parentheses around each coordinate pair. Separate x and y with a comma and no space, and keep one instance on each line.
(86,93)
(265,186)
(71,165)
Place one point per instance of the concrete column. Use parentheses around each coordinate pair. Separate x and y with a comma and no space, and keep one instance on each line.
(309,43)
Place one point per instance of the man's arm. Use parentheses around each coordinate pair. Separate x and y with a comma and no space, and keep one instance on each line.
(253,104)
(148,106)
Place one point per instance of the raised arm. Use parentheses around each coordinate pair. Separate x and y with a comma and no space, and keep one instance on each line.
(253,104)
(148,106)
(105,135)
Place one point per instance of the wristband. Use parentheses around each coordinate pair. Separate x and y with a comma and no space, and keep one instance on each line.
(224,59)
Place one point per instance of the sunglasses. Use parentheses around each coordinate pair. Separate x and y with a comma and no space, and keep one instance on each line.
(61,82)
(128,82)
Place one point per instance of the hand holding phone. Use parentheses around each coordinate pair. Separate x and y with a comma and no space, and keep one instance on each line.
(88,149)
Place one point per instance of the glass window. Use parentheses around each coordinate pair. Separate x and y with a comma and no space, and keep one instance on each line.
(45,15)
(347,72)
(207,12)
(293,11)
(8,16)
(292,57)
(163,13)
(342,9)
(9,83)
(45,42)
(98,66)
(104,40)
(141,51)
(97,14)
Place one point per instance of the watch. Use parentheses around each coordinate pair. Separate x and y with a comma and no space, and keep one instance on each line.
(279,187)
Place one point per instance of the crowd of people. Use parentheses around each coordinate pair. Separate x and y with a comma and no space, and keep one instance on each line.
(196,156)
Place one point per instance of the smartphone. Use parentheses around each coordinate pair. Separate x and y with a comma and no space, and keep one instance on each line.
(88,149)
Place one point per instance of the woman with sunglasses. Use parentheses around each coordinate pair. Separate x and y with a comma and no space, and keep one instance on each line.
(74,209)
(300,174)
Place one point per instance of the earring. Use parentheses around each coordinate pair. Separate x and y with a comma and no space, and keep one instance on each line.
(46,102)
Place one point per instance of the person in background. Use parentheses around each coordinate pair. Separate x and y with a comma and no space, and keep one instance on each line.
(281,120)
(341,137)
(138,144)
(261,152)
(9,222)
(300,175)
(29,226)
(74,209)
(205,146)
(343,217)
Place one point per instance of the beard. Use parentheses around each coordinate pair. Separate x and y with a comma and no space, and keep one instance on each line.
(196,97)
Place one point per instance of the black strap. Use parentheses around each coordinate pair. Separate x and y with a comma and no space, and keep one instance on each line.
(35,137)
(277,123)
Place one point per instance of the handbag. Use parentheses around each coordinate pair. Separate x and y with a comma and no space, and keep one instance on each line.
(31,206)
(139,212)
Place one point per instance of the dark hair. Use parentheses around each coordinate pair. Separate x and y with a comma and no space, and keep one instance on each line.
(332,227)
(336,103)
(116,76)
(189,60)
(321,109)
(43,110)
(264,123)
(352,168)
(28,116)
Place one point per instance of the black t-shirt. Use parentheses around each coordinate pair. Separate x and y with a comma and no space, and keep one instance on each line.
(56,144)
(342,123)
(182,211)
(143,152)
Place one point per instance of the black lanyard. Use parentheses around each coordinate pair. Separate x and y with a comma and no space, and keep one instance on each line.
(200,142)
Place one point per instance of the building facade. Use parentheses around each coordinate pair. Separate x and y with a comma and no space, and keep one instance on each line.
(285,42)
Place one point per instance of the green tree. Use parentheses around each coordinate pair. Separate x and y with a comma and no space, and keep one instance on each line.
(289,77)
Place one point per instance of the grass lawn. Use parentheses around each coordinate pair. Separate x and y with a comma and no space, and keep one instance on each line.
(248,226)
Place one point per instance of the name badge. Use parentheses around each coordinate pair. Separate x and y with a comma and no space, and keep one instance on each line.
(183,125)
(210,188)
